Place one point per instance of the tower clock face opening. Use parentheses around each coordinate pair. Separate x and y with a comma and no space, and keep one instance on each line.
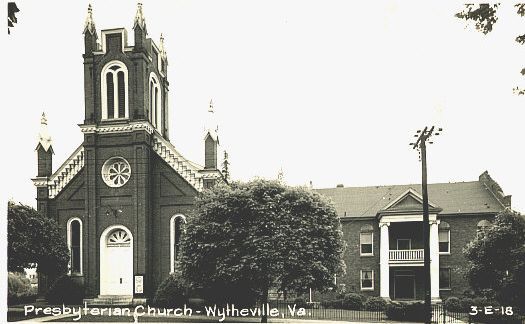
(116,171)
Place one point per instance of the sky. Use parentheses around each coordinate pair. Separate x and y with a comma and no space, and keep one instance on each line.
(330,92)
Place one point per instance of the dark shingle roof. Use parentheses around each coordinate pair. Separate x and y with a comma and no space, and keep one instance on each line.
(453,198)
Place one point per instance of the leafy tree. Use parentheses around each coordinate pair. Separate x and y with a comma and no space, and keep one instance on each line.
(484,16)
(262,235)
(34,239)
(496,260)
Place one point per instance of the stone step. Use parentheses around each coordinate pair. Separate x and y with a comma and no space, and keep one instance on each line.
(110,300)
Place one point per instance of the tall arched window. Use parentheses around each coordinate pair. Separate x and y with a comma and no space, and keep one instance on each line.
(155,101)
(177,224)
(74,243)
(114,91)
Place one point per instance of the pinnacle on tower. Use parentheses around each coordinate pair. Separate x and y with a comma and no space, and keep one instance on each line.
(162,48)
(139,18)
(44,139)
(89,26)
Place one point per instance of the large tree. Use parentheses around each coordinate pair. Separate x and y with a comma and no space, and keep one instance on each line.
(262,235)
(485,16)
(496,260)
(33,239)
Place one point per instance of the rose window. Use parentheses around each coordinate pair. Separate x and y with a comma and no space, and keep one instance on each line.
(116,172)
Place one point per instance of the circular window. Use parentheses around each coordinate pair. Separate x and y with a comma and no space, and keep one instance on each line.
(116,172)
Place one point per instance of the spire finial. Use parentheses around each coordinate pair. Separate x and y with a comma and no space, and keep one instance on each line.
(139,17)
(210,109)
(44,138)
(161,47)
(280,175)
(43,119)
(90,23)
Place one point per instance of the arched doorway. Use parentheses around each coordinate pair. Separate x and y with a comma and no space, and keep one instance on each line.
(116,261)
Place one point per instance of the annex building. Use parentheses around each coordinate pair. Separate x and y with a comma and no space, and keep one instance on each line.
(122,196)
(382,227)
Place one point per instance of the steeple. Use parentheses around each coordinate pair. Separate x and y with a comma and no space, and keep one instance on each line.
(44,150)
(140,21)
(139,27)
(211,139)
(89,26)
(44,139)
(162,48)
(90,33)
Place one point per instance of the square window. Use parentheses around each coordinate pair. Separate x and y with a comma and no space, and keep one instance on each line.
(444,278)
(444,241)
(366,244)
(367,279)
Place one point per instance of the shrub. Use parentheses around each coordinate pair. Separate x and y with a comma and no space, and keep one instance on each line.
(453,304)
(171,293)
(353,301)
(375,304)
(19,289)
(405,312)
(300,302)
(65,291)
(336,303)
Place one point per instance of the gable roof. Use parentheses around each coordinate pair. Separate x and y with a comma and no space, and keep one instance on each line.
(408,201)
(452,198)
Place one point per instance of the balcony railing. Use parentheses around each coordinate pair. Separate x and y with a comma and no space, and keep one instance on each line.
(406,255)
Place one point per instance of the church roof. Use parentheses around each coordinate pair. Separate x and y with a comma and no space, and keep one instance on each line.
(452,198)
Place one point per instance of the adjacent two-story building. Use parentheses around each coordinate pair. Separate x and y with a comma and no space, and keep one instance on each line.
(382,226)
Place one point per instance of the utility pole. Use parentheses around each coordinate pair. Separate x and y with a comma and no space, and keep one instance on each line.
(420,144)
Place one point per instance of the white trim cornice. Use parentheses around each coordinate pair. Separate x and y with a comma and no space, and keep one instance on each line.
(117,128)
(405,218)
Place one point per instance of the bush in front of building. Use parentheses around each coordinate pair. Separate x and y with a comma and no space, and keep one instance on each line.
(19,290)
(453,304)
(65,290)
(374,303)
(405,312)
(353,301)
(172,292)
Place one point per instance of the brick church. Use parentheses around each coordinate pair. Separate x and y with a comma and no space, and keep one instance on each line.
(121,198)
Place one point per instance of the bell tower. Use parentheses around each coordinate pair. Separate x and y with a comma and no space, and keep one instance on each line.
(123,84)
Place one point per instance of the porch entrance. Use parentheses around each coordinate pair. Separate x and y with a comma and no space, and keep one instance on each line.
(404,284)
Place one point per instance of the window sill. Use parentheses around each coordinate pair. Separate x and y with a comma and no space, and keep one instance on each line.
(75,274)
(366,255)
(444,253)
(445,289)
(367,289)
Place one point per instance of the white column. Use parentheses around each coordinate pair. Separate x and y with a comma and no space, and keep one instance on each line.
(384,270)
(434,261)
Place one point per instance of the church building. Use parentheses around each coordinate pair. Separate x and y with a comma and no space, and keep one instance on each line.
(123,195)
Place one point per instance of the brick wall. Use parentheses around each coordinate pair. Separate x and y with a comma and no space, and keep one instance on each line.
(354,262)
(462,231)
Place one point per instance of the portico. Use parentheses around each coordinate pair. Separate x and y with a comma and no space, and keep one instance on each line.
(401,253)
